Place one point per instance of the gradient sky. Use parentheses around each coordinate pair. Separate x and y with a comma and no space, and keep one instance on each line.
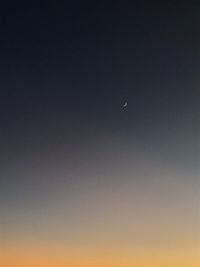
(85,182)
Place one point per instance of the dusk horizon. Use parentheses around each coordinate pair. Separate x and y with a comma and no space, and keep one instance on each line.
(99,134)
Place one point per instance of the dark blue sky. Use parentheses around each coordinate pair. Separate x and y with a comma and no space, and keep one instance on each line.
(67,70)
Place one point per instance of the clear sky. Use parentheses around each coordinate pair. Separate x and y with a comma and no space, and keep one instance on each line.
(85,181)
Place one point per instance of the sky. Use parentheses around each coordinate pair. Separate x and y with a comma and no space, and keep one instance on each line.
(84,180)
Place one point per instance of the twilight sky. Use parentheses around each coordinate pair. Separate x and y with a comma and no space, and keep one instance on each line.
(84,181)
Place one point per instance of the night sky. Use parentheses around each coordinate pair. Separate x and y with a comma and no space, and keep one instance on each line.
(85,181)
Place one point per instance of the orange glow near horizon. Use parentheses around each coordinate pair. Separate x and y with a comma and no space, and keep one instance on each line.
(44,254)
(52,258)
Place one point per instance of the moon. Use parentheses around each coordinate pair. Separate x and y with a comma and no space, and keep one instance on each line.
(125,105)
